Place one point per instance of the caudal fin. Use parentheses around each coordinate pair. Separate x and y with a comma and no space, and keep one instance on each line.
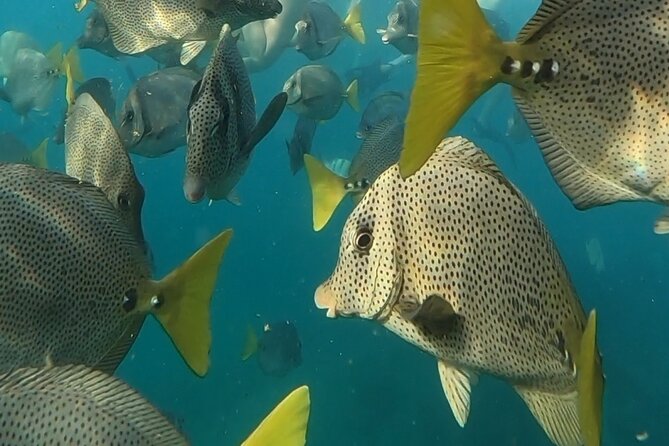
(590,385)
(286,425)
(183,299)
(353,24)
(352,96)
(327,190)
(38,156)
(459,58)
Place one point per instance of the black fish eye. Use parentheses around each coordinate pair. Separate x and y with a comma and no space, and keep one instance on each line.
(129,300)
(123,202)
(129,116)
(363,240)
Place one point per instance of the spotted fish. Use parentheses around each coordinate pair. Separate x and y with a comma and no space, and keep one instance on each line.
(222,130)
(584,74)
(76,285)
(140,25)
(455,261)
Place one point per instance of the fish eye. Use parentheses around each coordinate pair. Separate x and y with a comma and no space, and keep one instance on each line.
(123,201)
(129,300)
(363,240)
(129,116)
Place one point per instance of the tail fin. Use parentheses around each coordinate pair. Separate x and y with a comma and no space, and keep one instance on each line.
(74,62)
(352,96)
(353,24)
(459,58)
(590,385)
(286,425)
(183,302)
(327,190)
(38,156)
(250,343)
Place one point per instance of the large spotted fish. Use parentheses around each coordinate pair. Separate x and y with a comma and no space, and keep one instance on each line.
(76,284)
(455,261)
(139,25)
(222,130)
(589,76)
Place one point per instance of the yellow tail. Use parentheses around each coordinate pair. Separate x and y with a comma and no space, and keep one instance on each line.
(38,156)
(286,425)
(353,24)
(327,190)
(590,385)
(72,69)
(352,96)
(183,299)
(459,58)
(55,55)
(250,343)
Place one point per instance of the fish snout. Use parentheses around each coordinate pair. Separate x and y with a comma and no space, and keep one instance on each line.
(194,189)
(326,300)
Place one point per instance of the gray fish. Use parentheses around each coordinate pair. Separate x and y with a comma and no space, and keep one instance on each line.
(389,104)
(12,150)
(372,76)
(402,30)
(316,92)
(300,144)
(76,405)
(101,90)
(10,43)
(455,261)
(278,350)
(76,286)
(320,30)
(379,150)
(152,120)
(144,24)
(94,153)
(222,128)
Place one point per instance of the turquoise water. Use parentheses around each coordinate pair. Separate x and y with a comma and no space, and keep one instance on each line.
(368,387)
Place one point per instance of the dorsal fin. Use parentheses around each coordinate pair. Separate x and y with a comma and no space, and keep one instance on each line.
(547,12)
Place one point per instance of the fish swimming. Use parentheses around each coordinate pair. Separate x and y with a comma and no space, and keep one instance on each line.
(372,76)
(76,405)
(140,25)
(320,30)
(76,284)
(389,104)
(316,92)
(152,119)
(379,150)
(10,43)
(278,350)
(599,119)
(455,261)
(300,143)
(12,150)
(222,130)
(402,29)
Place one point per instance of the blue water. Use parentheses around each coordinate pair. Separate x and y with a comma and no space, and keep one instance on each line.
(368,387)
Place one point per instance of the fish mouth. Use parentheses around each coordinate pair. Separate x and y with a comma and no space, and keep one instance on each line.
(325,299)
(194,189)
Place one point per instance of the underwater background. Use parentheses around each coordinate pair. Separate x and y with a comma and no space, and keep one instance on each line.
(368,387)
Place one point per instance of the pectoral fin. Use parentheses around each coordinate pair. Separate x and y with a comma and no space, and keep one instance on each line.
(436,314)
(190,50)
(267,121)
(457,387)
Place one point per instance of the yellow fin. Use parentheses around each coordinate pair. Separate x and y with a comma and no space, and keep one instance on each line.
(590,384)
(38,156)
(459,58)
(72,60)
(80,5)
(286,425)
(250,343)
(55,55)
(327,190)
(352,96)
(184,298)
(353,24)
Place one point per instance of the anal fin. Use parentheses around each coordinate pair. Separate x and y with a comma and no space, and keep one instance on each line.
(556,413)
(457,387)
(113,358)
(190,50)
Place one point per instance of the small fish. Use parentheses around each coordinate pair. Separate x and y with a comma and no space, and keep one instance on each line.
(600,130)
(152,120)
(101,90)
(316,92)
(389,104)
(140,25)
(455,261)
(320,30)
(77,286)
(278,350)
(402,30)
(12,150)
(378,151)
(372,76)
(300,144)
(222,130)
(94,153)
(10,43)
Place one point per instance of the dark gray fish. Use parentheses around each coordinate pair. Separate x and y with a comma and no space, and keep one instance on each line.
(279,349)
(222,128)
(300,144)
(372,76)
(152,121)
(402,30)
(389,104)
(101,91)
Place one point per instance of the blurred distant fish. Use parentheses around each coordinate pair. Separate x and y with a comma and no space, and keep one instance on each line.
(300,144)
(320,30)
(402,30)
(12,150)
(595,254)
(316,92)
(278,350)
(389,104)
(372,76)
(140,25)
(339,166)
(152,120)
(10,43)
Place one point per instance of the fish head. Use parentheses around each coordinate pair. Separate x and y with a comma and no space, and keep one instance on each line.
(396,27)
(293,88)
(368,278)
(259,9)
(127,195)
(95,32)
(131,127)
